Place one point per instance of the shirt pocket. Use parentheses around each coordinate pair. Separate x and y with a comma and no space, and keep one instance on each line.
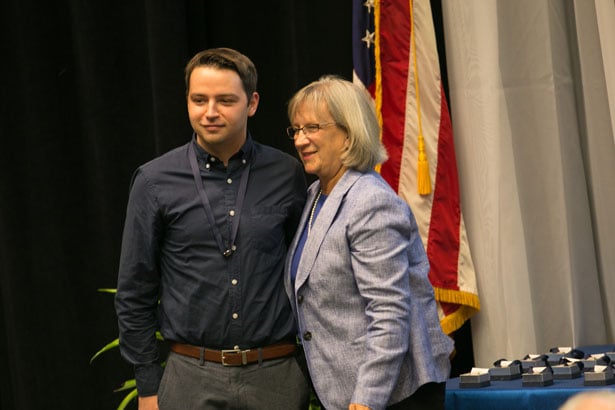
(265,228)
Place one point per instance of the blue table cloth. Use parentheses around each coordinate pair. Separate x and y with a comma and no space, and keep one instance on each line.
(511,395)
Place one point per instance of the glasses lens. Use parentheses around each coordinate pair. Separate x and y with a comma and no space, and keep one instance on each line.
(291,131)
(310,128)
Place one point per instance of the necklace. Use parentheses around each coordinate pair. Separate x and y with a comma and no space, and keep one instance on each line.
(313,210)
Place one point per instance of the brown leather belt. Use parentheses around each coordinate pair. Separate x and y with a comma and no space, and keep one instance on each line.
(236,357)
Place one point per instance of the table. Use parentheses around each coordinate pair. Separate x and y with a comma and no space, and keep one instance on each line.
(511,395)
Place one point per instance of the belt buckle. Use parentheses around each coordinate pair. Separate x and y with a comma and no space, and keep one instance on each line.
(243,353)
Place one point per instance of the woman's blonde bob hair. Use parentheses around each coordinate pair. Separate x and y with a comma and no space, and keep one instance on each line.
(352,109)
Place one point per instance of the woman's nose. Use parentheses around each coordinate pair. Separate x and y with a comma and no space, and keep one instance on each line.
(301,139)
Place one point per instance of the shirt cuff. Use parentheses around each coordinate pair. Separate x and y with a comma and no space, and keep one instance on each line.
(148,378)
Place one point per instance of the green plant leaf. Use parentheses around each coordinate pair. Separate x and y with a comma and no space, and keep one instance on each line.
(128,384)
(109,346)
(127,399)
(115,343)
(314,402)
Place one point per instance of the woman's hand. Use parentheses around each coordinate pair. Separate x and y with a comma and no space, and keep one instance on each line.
(355,406)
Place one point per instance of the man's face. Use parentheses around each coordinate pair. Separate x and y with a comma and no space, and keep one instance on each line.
(218,109)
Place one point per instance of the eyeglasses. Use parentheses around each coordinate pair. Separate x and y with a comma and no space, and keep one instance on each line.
(308,129)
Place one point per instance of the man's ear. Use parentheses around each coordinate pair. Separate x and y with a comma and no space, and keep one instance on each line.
(253,104)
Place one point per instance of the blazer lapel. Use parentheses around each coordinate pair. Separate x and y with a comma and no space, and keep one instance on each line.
(311,196)
(322,223)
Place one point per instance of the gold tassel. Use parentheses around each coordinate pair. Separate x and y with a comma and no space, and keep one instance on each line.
(424,180)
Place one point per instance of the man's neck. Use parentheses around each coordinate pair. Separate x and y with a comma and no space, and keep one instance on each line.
(223,152)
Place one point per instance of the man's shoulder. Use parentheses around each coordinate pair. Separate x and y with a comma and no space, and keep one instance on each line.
(169,160)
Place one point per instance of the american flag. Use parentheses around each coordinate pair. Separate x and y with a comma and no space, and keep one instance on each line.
(395,57)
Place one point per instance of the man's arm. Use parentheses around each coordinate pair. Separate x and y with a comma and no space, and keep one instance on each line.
(137,295)
(299,195)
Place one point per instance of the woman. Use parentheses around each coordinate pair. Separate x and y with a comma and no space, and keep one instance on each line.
(357,269)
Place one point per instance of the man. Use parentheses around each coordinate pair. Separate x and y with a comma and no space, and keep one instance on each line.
(205,237)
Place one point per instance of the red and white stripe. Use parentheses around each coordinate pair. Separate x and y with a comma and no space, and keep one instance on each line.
(438,214)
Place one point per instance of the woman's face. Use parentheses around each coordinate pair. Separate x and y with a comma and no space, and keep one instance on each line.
(320,150)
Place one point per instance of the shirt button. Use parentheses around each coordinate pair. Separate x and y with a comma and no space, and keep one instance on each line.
(229,181)
(235,315)
(307,336)
(231,212)
(243,161)
(234,248)
(207,166)
(234,282)
(299,298)
(212,159)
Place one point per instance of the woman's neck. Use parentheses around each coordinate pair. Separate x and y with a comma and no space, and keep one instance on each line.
(327,184)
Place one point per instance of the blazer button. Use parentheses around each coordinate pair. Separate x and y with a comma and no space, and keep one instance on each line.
(300,299)
(307,336)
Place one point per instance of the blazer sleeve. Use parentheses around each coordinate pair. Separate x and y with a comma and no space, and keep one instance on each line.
(380,235)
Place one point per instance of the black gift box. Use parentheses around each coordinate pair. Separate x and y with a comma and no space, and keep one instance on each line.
(566,372)
(537,379)
(527,364)
(599,378)
(555,358)
(505,373)
(474,380)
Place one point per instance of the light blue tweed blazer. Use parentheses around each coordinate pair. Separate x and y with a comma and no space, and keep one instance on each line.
(362,294)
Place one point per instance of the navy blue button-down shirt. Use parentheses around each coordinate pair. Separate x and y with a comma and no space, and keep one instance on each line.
(170,254)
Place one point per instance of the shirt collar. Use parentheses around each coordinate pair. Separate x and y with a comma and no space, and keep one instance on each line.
(244,154)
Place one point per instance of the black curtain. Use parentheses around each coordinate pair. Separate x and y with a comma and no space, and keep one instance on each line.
(90,90)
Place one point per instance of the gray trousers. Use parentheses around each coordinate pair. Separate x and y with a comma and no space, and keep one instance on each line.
(273,384)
